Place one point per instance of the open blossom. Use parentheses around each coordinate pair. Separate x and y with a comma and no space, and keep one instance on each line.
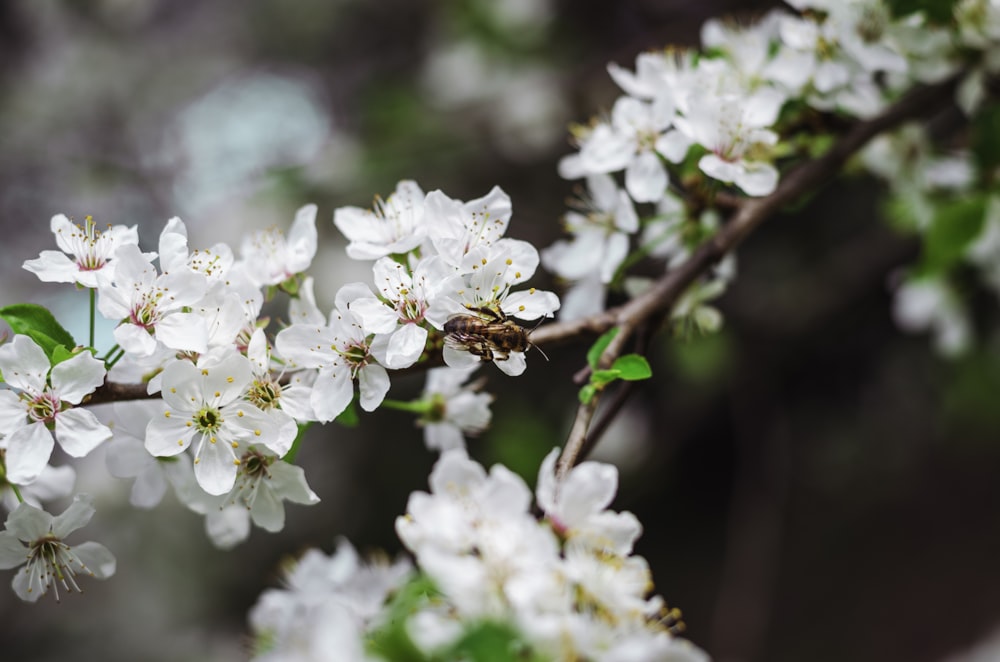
(567,585)
(399,311)
(270,258)
(151,306)
(483,287)
(456,408)
(128,458)
(455,228)
(92,252)
(341,353)
(577,506)
(44,397)
(327,604)
(35,539)
(394,225)
(262,486)
(733,130)
(599,234)
(206,408)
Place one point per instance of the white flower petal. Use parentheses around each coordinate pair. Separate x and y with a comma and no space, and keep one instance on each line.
(215,466)
(76,377)
(24,364)
(76,516)
(646,178)
(78,431)
(28,451)
(373,384)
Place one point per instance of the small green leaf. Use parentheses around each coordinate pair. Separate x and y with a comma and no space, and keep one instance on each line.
(59,354)
(601,377)
(594,353)
(632,367)
(27,317)
(587,394)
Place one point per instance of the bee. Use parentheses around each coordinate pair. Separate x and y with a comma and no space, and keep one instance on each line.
(490,335)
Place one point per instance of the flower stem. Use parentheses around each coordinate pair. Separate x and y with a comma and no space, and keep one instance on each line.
(93,296)
(13,487)
(118,356)
(414,406)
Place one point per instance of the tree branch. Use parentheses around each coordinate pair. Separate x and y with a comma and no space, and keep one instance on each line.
(660,298)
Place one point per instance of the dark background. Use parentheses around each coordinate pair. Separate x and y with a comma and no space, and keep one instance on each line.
(815,485)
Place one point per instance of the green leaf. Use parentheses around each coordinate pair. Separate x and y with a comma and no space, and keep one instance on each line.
(59,354)
(594,353)
(956,224)
(27,317)
(632,367)
(492,642)
(587,394)
(392,641)
(601,377)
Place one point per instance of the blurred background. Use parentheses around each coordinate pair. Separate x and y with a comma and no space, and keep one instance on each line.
(814,484)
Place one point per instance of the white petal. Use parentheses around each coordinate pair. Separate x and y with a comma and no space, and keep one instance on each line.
(24,364)
(215,466)
(168,435)
(443,436)
(28,451)
(149,487)
(373,384)
(76,516)
(302,239)
(228,527)
(53,267)
(135,340)
(76,377)
(514,365)
(13,412)
(97,558)
(183,331)
(757,179)
(376,317)
(531,304)
(456,358)
(718,168)
(331,394)
(78,431)
(405,346)
(646,178)
(12,551)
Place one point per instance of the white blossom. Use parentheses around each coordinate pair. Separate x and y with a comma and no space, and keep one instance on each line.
(44,397)
(206,408)
(92,252)
(35,539)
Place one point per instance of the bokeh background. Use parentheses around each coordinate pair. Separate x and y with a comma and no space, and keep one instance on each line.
(814,484)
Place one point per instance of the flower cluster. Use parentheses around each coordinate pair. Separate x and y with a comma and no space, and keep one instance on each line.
(563,588)
(230,402)
(688,122)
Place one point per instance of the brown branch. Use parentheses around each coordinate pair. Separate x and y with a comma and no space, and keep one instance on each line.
(660,298)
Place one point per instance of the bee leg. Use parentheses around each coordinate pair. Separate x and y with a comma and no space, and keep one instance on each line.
(501,356)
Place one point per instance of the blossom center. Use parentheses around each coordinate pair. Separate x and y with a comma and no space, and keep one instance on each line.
(43,408)
(264,394)
(208,420)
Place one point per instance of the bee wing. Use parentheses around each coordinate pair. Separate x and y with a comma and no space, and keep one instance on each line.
(457,354)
